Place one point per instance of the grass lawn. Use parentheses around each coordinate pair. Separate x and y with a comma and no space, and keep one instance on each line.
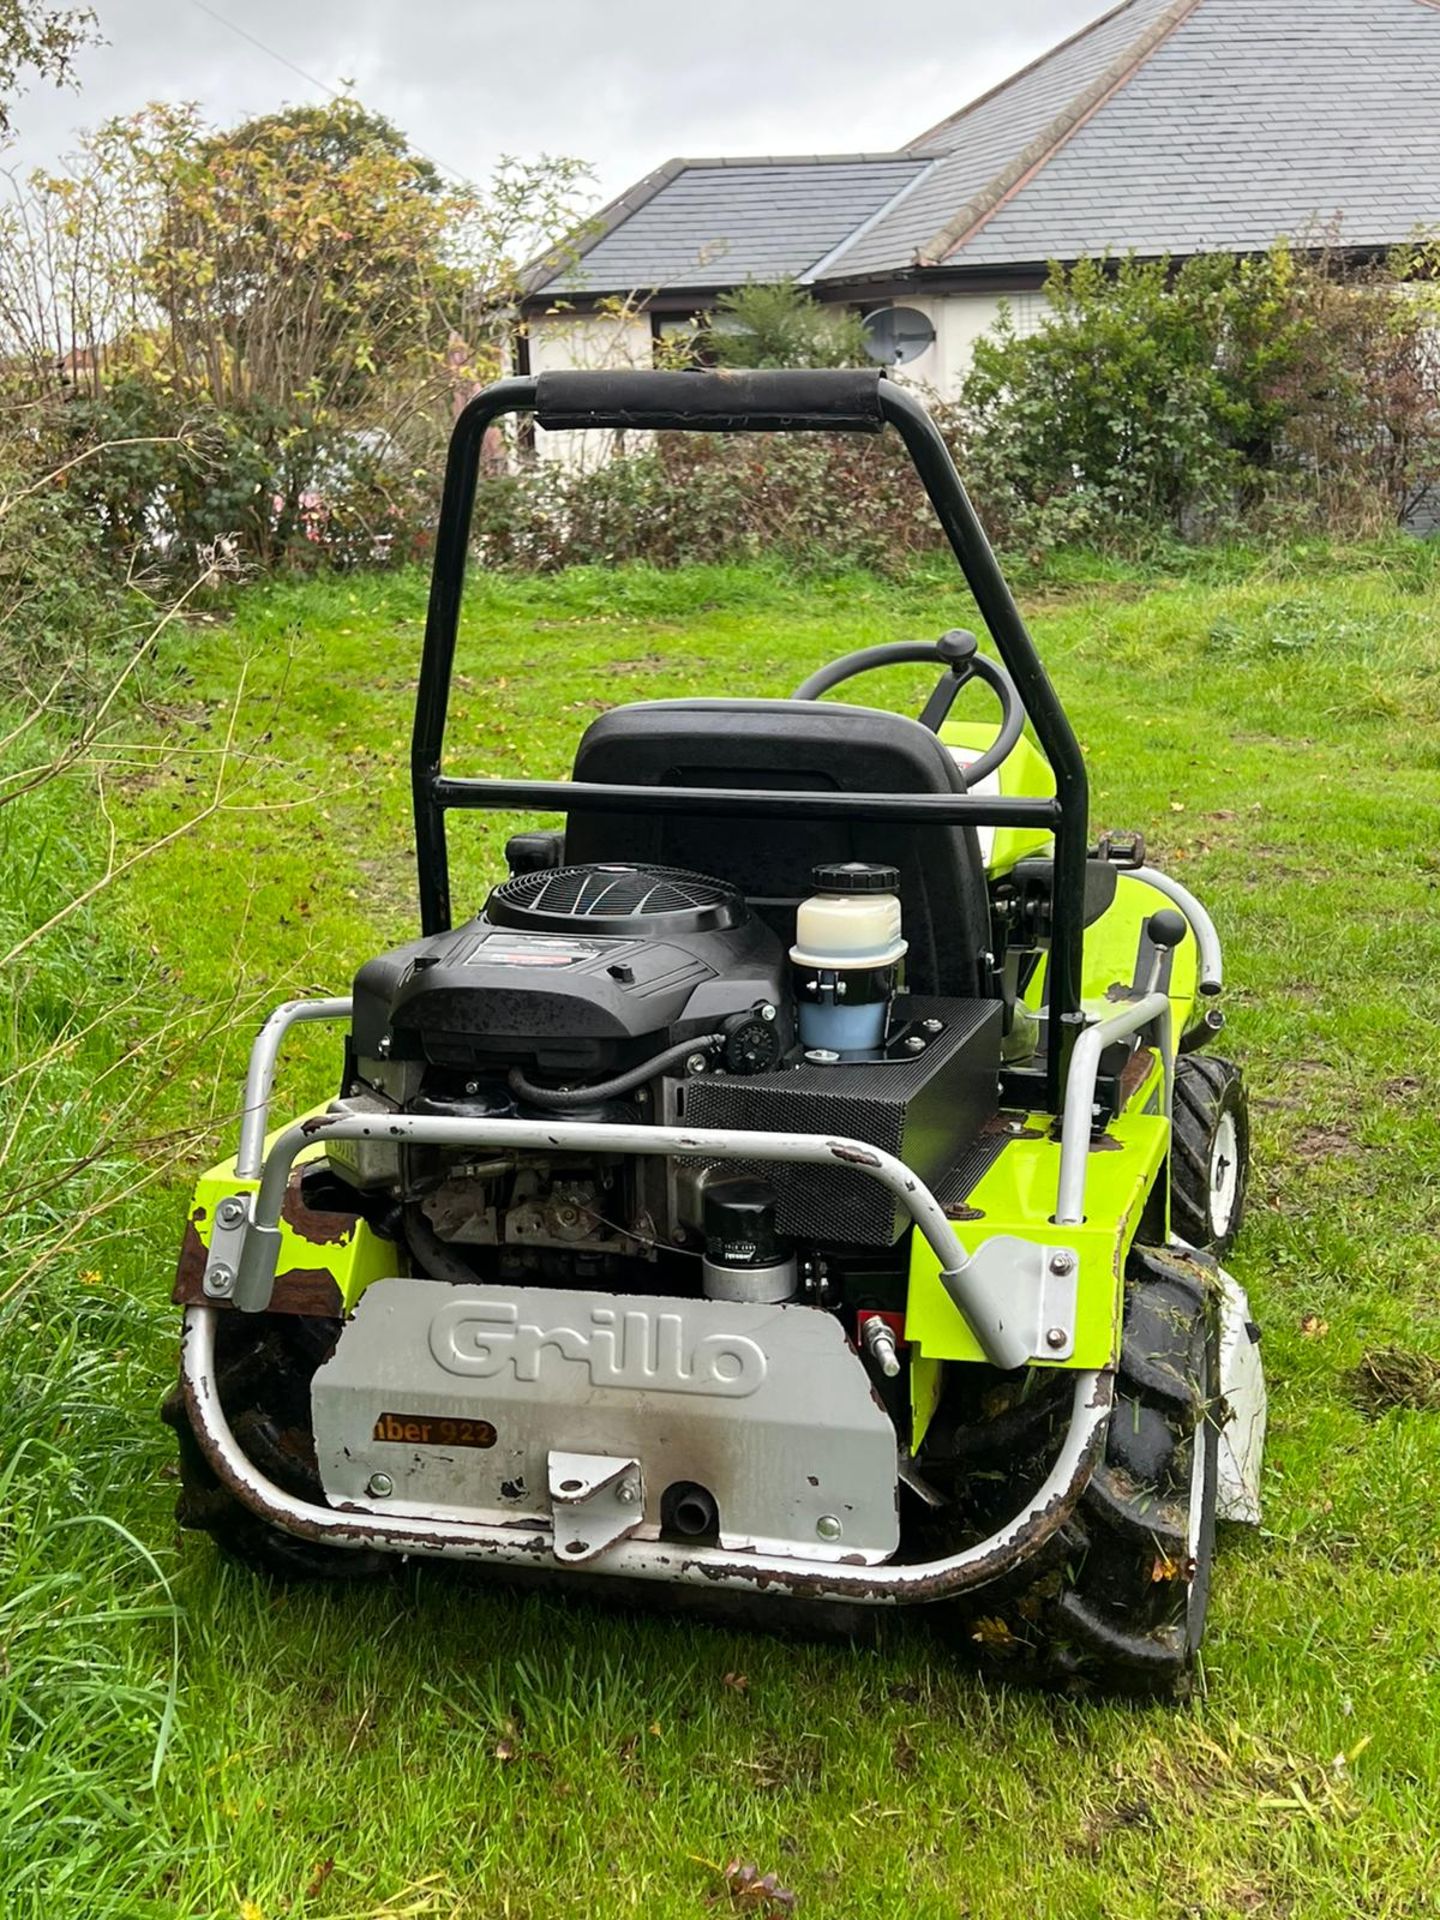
(181,1740)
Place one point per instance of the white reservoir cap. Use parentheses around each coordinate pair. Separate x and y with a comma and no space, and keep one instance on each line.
(853,921)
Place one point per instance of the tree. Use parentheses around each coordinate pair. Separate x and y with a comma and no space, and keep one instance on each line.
(269,317)
(781,326)
(40,40)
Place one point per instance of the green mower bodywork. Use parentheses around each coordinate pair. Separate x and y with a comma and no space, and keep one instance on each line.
(567,1295)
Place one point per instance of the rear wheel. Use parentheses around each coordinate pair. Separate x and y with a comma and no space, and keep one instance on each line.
(263,1367)
(1210,1151)
(1121,1602)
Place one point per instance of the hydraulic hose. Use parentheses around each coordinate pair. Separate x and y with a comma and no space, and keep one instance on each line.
(430,1253)
(556,1099)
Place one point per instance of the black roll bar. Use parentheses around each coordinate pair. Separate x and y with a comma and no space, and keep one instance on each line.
(840,400)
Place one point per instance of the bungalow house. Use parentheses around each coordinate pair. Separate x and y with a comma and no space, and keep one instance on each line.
(1166,127)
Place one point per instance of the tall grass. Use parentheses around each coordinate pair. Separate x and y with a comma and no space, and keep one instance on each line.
(178,1739)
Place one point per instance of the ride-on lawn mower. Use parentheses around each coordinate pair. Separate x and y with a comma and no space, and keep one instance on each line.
(801,1180)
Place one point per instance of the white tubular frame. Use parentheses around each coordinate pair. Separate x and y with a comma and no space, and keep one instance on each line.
(259,1255)
(531,1545)
(260,1077)
(1207,940)
(1078,1122)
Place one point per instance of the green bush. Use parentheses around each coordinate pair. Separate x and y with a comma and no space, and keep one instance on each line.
(781,325)
(1226,399)
(1223,396)
(810,501)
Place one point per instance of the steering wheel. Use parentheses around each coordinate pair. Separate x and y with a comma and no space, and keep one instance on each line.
(959,652)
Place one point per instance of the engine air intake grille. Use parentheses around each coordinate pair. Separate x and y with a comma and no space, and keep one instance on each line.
(616,899)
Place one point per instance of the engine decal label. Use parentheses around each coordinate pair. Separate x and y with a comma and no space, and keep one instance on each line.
(424,1430)
(530,950)
(639,1350)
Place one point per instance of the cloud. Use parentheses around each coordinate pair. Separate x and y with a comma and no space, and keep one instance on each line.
(622,83)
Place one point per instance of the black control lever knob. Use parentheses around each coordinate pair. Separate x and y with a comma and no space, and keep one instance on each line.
(957,648)
(1166,928)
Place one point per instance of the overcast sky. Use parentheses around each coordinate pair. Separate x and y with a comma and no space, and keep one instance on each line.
(623,84)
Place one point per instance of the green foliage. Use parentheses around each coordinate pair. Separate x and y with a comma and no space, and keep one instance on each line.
(1151,408)
(812,502)
(61,605)
(1225,393)
(272,327)
(781,326)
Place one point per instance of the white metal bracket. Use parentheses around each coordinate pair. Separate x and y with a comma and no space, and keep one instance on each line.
(595,1500)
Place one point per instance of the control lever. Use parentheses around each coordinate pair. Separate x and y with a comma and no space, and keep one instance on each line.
(958,650)
(1165,930)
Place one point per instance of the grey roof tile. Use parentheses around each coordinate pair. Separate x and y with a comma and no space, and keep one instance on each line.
(1167,126)
(976,145)
(1316,107)
(721,223)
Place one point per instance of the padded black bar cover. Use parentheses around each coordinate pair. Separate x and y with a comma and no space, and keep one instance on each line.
(810,400)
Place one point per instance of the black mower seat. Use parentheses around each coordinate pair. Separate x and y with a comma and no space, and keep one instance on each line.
(794,746)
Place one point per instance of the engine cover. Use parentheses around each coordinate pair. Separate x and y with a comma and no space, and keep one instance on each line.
(457,1397)
(571,968)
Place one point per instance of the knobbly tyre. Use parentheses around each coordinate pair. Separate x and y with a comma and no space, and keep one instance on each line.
(804,1180)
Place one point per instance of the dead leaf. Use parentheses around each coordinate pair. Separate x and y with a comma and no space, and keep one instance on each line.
(317,1880)
(737,1682)
(505,1751)
(993,1632)
(1164,1568)
(1313,1327)
(756,1892)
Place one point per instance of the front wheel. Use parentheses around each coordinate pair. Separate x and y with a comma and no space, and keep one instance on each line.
(1121,1605)
(263,1367)
(1209,1152)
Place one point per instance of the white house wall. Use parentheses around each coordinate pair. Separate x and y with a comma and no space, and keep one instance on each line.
(585,340)
(959,320)
(589,340)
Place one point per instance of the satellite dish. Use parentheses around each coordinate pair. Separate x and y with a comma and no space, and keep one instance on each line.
(897,335)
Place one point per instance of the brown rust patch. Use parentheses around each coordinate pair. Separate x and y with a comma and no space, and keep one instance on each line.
(308,1291)
(854,1156)
(1137,1071)
(321,1229)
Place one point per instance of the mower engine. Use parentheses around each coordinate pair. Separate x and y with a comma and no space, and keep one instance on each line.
(632,996)
(582,992)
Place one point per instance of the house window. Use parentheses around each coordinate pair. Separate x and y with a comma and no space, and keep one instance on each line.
(897,335)
(1027,311)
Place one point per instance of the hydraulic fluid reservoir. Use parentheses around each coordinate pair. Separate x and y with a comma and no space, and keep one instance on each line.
(847,954)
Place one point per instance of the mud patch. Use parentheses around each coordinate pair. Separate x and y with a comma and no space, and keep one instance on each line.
(1402,1090)
(1394,1377)
(1316,1144)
